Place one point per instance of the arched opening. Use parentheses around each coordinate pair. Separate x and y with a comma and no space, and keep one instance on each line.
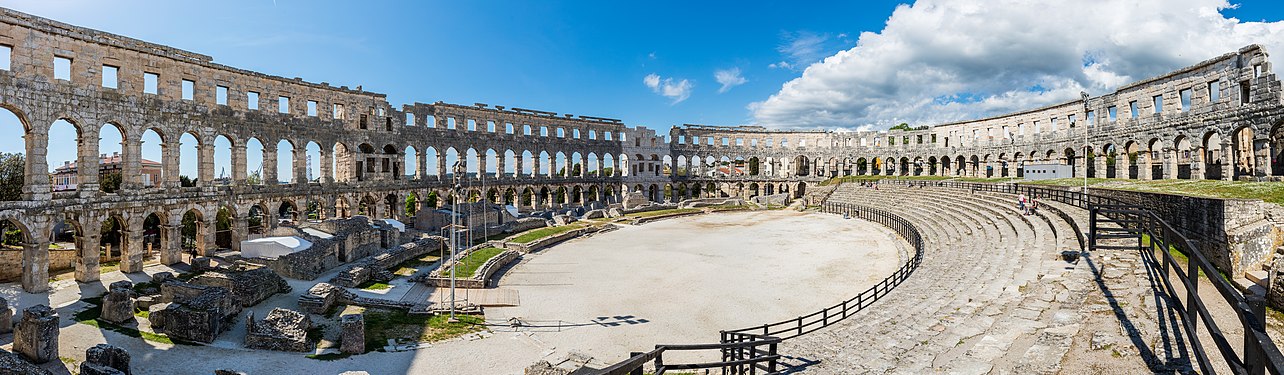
(312,160)
(111,160)
(1245,165)
(193,233)
(1214,157)
(223,160)
(256,219)
(63,157)
(392,206)
(1184,158)
(411,206)
(13,237)
(412,163)
(254,162)
(189,160)
(287,213)
(510,163)
(431,161)
(153,235)
(285,162)
(342,168)
(224,237)
(13,160)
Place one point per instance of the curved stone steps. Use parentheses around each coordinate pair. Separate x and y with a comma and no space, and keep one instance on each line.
(964,292)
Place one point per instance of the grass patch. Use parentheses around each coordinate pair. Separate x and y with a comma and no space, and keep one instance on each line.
(329,356)
(409,267)
(469,265)
(666,212)
(535,234)
(90,316)
(382,325)
(1272,192)
(374,285)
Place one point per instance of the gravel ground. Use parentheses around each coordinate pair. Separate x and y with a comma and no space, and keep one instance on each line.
(605,296)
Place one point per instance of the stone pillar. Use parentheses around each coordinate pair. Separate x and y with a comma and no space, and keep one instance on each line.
(241,229)
(131,252)
(207,244)
(6,317)
(1143,167)
(327,166)
(35,265)
(352,334)
(301,165)
(1229,159)
(171,251)
(238,166)
(36,337)
(131,176)
(1101,166)
(87,168)
(1170,164)
(205,165)
(118,303)
(1197,165)
(269,166)
(441,166)
(1261,157)
(87,260)
(169,165)
(1080,165)
(36,184)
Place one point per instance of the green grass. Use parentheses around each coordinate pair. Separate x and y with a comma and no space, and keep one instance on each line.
(469,265)
(90,316)
(382,325)
(535,234)
(665,212)
(1272,192)
(374,285)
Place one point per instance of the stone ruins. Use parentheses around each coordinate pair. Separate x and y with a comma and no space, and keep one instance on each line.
(1220,119)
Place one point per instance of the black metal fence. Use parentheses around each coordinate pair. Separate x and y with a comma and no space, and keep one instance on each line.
(795,327)
(753,349)
(1259,352)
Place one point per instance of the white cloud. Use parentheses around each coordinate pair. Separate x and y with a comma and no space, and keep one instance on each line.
(949,60)
(728,78)
(677,90)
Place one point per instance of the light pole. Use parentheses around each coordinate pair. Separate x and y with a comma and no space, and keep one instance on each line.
(1086,147)
(454,234)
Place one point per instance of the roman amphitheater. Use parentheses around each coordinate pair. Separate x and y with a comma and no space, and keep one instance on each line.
(586,245)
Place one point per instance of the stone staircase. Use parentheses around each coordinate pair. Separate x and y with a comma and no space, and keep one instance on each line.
(997,292)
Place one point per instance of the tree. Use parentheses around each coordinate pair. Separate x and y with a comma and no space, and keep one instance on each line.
(12,166)
(185,181)
(753,166)
(255,177)
(902,126)
(411,201)
(432,199)
(110,181)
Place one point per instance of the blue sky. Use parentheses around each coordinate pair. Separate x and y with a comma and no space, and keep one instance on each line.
(654,63)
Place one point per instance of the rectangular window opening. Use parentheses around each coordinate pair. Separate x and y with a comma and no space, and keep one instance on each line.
(1214,91)
(62,68)
(1244,93)
(189,89)
(1112,113)
(252,100)
(338,112)
(1184,103)
(220,95)
(1159,104)
(1132,108)
(6,57)
(110,78)
(312,108)
(283,104)
(150,83)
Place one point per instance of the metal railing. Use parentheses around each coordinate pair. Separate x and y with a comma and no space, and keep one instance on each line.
(752,349)
(795,327)
(1260,354)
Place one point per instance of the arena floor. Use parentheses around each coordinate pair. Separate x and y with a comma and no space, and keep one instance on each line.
(673,281)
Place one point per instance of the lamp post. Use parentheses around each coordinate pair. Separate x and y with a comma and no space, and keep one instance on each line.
(454,234)
(1086,147)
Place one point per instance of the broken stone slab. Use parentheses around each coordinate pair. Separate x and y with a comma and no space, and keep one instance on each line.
(104,359)
(352,333)
(36,337)
(118,304)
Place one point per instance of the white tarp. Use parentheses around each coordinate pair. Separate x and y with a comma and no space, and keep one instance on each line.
(272,247)
(396,224)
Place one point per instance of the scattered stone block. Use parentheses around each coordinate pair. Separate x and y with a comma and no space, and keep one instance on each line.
(352,334)
(284,330)
(160,277)
(13,364)
(36,337)
(6,317)
(104,359)
(118,304)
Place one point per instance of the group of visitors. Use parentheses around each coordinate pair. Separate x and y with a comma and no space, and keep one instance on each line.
(1027,205)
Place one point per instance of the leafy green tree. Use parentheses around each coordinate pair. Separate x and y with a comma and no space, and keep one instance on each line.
(753,166)
(110,182)
(902,126)
(411,201)
(185,181)
(12,170)
(432,199)
(255,177)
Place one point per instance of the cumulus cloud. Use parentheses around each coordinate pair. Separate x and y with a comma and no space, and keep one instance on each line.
(677,90)
(728,78)
(947,60)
